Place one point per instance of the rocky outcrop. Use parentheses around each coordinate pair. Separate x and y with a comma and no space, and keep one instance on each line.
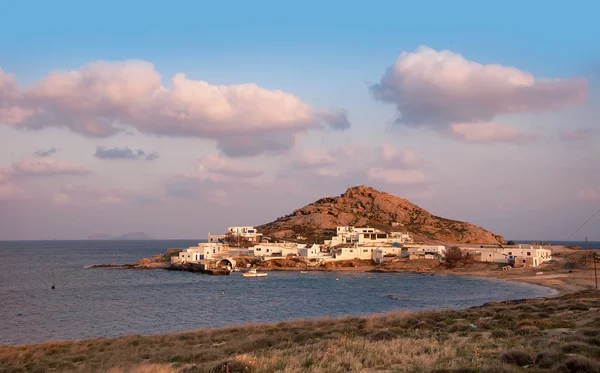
(366,206)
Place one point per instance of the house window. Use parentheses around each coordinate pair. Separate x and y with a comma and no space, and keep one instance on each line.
(528,253)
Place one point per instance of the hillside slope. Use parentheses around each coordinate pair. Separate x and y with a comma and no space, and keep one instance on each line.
(365,206)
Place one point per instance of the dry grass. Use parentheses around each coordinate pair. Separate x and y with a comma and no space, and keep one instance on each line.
(547,335)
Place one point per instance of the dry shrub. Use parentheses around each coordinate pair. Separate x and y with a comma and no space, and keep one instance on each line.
(528,330)
(548,358)
(578,364)
(500,333)
(516,357)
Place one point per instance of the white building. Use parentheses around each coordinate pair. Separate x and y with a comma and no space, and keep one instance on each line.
(310,251)
(366,236)
(274,249)
(349,253)
(425,251)
(527,256)
(195,254)
(247,233)
(521,255)
(380,253)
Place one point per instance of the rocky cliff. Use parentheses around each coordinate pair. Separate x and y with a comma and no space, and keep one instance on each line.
(364,206)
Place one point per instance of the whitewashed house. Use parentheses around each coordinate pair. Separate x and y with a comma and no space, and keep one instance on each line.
(195,254)
(274,249)
(527,255)
(365,236)
(310,251)
(381,253)
(349,253)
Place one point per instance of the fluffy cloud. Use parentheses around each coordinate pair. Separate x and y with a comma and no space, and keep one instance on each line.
(217,169)
(124,153)
(42,153)
(336,120)
(102,97)
(444,90)
(45,167)
(396,176)
(489,133)
(588,194)
(577,134)
(436,88)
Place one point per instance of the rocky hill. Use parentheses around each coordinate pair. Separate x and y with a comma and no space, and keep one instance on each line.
(364,206)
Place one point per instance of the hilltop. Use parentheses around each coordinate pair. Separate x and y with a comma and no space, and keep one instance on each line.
(365,206)
(126,236)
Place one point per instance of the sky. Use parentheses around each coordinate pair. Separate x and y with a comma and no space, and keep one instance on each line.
(181,118)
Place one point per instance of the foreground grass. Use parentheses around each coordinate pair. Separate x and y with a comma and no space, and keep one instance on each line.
(543,335)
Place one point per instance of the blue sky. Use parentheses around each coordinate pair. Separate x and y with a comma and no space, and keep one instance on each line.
(537,176)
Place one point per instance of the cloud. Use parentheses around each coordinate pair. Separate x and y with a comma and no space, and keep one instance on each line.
(42,153)
(489,133)
(335,120)
(394,158)
(46,167)
(102,98)
(577,134)
(395,176)
(214,168)
(440,88)
(123,153)
(588,194)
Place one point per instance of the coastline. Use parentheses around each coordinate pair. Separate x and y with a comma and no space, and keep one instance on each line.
(567,275)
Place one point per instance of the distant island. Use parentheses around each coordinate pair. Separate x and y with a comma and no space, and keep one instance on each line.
(126,236)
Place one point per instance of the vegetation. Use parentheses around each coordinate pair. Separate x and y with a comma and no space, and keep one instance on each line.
(454,255)
(538,335)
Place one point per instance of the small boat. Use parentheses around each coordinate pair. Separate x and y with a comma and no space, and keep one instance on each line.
(303,271)
(252,273)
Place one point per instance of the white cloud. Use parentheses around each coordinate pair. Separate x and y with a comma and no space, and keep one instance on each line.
(102,97)
(396,176)
(438,88)
(489,133)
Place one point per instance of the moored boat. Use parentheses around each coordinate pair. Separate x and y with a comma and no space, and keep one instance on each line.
(252,273)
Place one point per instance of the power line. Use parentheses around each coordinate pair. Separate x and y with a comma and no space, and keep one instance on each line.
(582,225)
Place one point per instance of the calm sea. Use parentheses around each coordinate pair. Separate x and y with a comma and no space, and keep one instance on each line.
(91,303)
(591,244)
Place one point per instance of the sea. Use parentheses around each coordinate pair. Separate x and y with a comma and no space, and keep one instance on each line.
(107,302)
(594,245)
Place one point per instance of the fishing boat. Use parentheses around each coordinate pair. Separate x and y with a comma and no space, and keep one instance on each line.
(252,273)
